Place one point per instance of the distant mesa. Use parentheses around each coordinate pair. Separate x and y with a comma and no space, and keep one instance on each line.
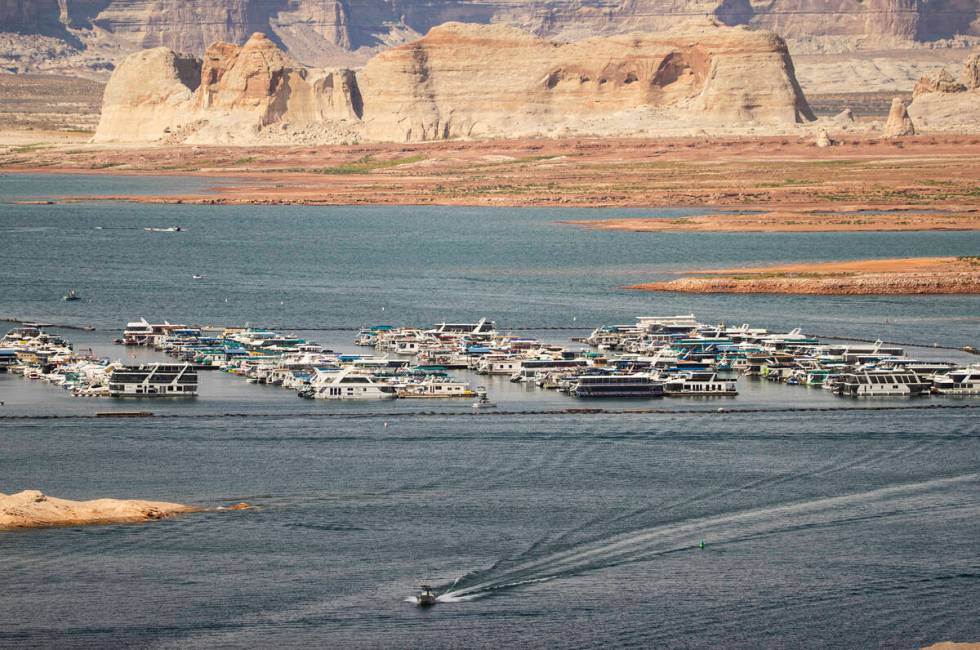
(96,34)
(461,81)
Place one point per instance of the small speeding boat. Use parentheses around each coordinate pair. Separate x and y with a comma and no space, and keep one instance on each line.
(197,277)
(170,229)
(482,401)
(425,598)
(71,295)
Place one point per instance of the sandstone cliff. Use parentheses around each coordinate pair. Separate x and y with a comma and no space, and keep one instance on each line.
(148,94)
(942,103)
(464,81)
(327,32)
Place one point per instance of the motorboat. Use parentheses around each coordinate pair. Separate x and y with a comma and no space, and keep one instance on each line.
(70,296)
(170,229)
(425,597)
(482,401)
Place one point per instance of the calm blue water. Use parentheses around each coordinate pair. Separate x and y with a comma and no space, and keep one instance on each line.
(841,529)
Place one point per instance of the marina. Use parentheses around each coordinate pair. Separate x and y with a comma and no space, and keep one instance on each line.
(580,517)
(665,356)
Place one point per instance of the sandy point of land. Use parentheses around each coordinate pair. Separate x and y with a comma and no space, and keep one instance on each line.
(953,645)
(34,509)
(845,219)
(902,276)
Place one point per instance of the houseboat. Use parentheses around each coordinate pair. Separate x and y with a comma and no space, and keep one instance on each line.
(615,386)
(880,383)
(965,381)
(435,387)
(699,383)
(153,380)
(347,385)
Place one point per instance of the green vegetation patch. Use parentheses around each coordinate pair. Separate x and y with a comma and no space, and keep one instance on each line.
(368,164)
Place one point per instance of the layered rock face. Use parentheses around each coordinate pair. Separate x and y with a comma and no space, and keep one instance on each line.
(942,103)
(148,94)
(226,98)
(474,81)
(321,32)
(463,81)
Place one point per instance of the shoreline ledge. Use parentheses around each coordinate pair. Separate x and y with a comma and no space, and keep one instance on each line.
(847,219)
(34,509)
(901,276)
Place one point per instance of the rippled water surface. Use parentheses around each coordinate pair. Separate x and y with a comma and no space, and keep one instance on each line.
(848,528)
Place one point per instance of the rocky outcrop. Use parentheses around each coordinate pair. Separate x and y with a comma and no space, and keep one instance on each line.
(971,72)
(899,123)
(941,103)
(465,81)
(148,95)
(941,82)
(34,509)
(226,98)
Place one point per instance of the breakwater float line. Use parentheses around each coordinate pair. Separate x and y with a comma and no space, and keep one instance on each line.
(496,413)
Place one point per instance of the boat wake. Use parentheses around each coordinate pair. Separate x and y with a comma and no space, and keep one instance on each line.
(908,500)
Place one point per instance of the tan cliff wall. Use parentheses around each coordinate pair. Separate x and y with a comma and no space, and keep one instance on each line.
(472,81)
(465,81)
(327,32)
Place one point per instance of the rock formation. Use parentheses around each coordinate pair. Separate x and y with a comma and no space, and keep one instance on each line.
(971,72)
(463,81)
(845,117)
(941,82)
(941,103)
(33,509)
(899,123)
(148,94)
(326,32)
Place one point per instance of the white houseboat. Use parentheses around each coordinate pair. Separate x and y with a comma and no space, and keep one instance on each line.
(965,381)
(616,386)
(153,380)
(877,383)
(347,385)
(699,383)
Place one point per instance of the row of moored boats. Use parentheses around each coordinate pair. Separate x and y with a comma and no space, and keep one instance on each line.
(653,357)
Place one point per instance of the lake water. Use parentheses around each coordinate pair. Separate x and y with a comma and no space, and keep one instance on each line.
(845,528)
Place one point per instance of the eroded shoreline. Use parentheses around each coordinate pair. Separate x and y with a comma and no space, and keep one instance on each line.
(899,276)
(787,177)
